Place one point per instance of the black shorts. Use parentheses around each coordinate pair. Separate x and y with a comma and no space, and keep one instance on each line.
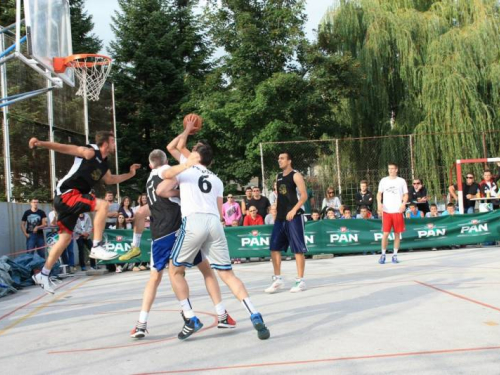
(289,233)
(69,206)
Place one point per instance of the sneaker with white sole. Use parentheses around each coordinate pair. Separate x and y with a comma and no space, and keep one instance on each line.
(44,282)
(139,331)
(277,284)
(99,252)
(299,286)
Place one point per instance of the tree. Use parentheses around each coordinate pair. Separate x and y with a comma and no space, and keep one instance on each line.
(430,65)
(8,13)
(160,55)
(84,41)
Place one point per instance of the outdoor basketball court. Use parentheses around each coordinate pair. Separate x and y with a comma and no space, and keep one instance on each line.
(434,313)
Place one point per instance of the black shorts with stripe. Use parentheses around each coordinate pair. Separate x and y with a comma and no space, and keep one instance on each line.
(69,206)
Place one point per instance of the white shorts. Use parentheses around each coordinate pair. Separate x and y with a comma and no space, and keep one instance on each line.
(205,233)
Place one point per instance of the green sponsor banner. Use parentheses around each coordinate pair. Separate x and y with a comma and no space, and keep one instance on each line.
(344,236)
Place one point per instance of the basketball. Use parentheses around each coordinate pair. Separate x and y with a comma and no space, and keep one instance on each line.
(197,125)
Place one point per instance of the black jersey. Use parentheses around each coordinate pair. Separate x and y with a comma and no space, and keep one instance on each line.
(287,195)
(84,174)
(165,213)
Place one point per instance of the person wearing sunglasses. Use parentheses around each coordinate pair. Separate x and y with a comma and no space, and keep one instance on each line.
(417,193)
(470,190)
(253,217)
(231,211)
(331,201)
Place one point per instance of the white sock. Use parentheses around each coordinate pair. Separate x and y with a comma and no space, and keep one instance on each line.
(220,309)
(384,251)
(95,242)
(187,308)
(395,251)
(136,239)
(247,304)
(45,272)
(278,277)
(143,317)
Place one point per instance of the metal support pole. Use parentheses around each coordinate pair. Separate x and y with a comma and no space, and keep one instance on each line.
(264,187)
(18,26)
(460,195)
(85,113)
(114,132)
(6,137)
(338,166)
(52,154)
(412,163)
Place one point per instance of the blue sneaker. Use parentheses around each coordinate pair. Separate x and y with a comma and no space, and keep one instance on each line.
(382,259)
(190,326)
(258,323)
(395,259)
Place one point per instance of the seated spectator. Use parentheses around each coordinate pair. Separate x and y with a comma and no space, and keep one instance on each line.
(253,218)
(347,213)
(364,213)
(364,197)
(271,216)
(331,201)
(414,212)
(330,214)
(235,223)
(470,189)
(231,210)
(260,202)
(120,223)
(315,216)
(450,210)
(433,211)
(417,193)
(489,188)
(127,211)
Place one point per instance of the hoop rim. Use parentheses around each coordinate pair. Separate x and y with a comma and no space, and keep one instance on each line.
(72,61)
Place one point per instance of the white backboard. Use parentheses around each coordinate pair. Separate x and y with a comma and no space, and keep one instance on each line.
(48,30)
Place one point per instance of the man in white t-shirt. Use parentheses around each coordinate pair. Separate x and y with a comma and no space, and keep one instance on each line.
(201,229)
(394,193)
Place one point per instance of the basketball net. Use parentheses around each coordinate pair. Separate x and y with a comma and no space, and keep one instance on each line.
(92,72)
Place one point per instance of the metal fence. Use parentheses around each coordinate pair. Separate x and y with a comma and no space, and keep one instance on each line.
(57,115)
(343,163)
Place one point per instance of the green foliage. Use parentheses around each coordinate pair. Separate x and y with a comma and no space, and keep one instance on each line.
(84,41)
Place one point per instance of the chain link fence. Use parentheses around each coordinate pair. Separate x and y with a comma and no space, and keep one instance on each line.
(30,169)
(343,163)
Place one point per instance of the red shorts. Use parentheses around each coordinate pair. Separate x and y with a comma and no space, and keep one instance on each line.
(69,206)
(390,221)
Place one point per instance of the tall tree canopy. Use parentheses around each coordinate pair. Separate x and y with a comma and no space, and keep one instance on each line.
(84,41)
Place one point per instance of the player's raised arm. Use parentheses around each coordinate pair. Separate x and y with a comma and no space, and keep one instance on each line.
(111,179)
(172,148)
(78,151)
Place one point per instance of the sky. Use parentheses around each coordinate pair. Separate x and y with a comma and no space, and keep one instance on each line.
(102,10)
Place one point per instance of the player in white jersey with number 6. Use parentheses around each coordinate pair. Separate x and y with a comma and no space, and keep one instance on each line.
(201,194)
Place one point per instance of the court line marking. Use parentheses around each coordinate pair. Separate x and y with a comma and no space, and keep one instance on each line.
(40,308)
(137,342)
(323,360)
(36,299)
(458,296)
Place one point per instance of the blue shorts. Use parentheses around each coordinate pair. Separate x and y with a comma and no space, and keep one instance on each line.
(161,249)
(289,233)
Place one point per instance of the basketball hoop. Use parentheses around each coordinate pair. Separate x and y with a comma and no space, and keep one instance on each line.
(92,71)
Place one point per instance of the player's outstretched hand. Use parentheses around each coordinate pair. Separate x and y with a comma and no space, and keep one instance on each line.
(193,159)
(33,142)
(134,168)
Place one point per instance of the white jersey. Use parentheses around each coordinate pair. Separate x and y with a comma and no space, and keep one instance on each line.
(393,191)
(200,189)
(159,172)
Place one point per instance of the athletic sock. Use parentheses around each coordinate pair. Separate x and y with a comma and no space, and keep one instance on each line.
(45,272)
(220,309)
(95,243)
(278,277)
(136,239)
(395,251)
(384,251)
(247,304)
(143,316)
(187,308)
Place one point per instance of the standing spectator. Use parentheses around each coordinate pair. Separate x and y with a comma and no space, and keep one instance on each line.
(82,232)
(347,213)
(470,190)
(417,193)
(450,210)
(394,191)
(112,210)
(330,214)
(231,210)
(364,197)
(315,216)
(127,211)
(489,188)
(364,213)
(331,201)
(414,212)
(259,201)
(253,218)
(121,223)
(271,216)
(433,211)
(246,199)
(274,195)
(32,224)
(68,255)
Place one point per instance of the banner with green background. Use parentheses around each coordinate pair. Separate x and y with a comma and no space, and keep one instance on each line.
(343,236)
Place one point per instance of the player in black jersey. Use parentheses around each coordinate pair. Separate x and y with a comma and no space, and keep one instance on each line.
(288,228)
(73,196)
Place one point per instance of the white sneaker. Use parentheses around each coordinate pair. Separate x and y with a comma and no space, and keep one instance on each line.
(99,252)
(119,269)
(299,286)
(44,282)
(277,284)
